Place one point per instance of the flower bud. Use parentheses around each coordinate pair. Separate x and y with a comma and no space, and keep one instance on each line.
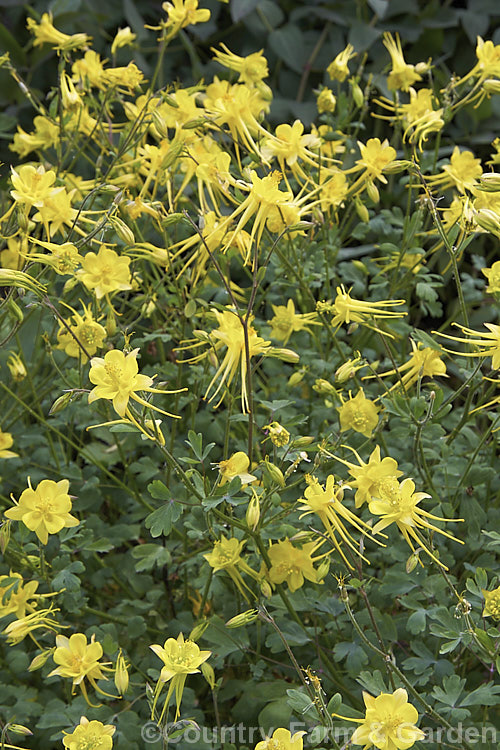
(198,630)
(122,230)
(273,473)
(287,355)
(412,562)
(295,378)
(490,182)
(121,674)
(397,166)
(245,618)
(209,674)
(488,220)
(349,369)
(303,441)
(266,589)
(111,323)
(362,211)
(322,570)
(19,729)
(357,94)
(372,191)
(40,659)
(60,403)
(253,512)
(15,310)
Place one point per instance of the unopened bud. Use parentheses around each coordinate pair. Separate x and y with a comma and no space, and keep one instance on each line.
(40,659)
(15,310)
(121,674)
(266,589)
(348,369)
(122,230)
(209,674)
(253,512)
(174,152)
(323,387)
(362,211)
(172,219)
(273,473)
(19,729)
(245,618)
(198,630)
(322,570)
(372,191)
(397,166)
(159,124)
(357,94)
(303,441)
(193,124)
(295,378)
(488,220)
(287,355)
(490,182)
(412,562)
(60,403)
(111,324)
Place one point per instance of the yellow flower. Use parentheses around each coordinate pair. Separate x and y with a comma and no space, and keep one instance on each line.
(492,603)
(46,33)
(489,341)
(349,310)
(402,75)
(325,101)
(90,735)
(338,70)
(79,661)
(84,330)
(89,70)
(371,478)
(16,367)
(121,674)
(282,740)
(359,414)
(252,68)
(105,272)
(397,503)
(6,442)
(278,434)
(123,38)
(493,276)
(389,722)
(236,466)
(293,564)
(180,658)
(423,363)
(40,619)
(64,258)
(15,595)
(44,136)
(326,502)
(286,321)
(461,173)
(44,510)
(290,145)
(488,62)
(182,13)
(226,556)
(33,186)
(375,157)
(117,378)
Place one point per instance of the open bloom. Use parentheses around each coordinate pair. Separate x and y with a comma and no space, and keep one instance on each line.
(90,735)
(105,272)
(492,603)
(398,503)
(371,477)
(423,363)
(236,466)
(46,33)
(226,555)
(79,661)
(493,276)
(44,510)
(326,503)
(462,173)
(293,564)
(489,343)
(82,336)
(117,378)
(349,310)
(182,13)
(389,722)
(33,186)
(16,596)
(6,441)
(180,658)
(252,68)
(282,739)
(359,414)
(375,157)
(286,321)
(40,619)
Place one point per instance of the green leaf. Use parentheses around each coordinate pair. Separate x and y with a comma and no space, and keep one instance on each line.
(241,8)
(158,490)
(288,44)
(150,555)
(161,520)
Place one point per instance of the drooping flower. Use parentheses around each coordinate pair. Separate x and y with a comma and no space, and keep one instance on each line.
(44,510)
(16,367)
(286,321)
(90,735)
(16,596)
(79,661)
(116,378)
(105,272)
(182,13)
(226,555)
(6,441)
(180,658)
(64,258)
(327,503)
(489,343)
(389,722)
(338,70)
(46,33)
(488,62)
(236,466)
(44,136)
(293,564)
(359,414)
(402,75)
(326,101)
(424,362)
(492,603)
(123,38)
(252,68)
(40,619)
(398,503)
(370,477)
(279,435)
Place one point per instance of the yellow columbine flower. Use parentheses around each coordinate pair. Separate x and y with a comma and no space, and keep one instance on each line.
(16,367)
(123,38)
(180,658)
(359,414)
(79,661)
(402,75)
(44,510)
(105,272)
(236,466)
(41,619)
(90,735)
(462,173)
(46,33)
(326,502)
(398,504)
(347,370)
(424,362)
(278,434)
(389,722)
(182,13)
(121,674)
(282,740)
(84,330)
(252,68)
(370,478)
(33,186)
(226,556)
(326,101)
(488,62)
(338,70)
(375,157)
(15,595)
(64,258)
(293,564)
(493,276)
(286,321)
(6,441)
(45,135)
(492,603)
(117,378)
(490,343)
(349,310)
(290,145)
